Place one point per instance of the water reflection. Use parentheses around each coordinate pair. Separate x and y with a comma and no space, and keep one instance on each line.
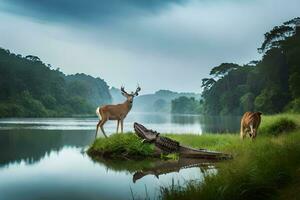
(41,163)
(69,174)
(32,145)
(165,123)
(155,167)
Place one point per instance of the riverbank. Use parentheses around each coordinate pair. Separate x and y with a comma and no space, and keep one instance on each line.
(268,168)
(129,145)
(262,169)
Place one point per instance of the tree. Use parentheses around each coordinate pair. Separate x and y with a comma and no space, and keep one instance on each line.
(30,88)
(185,105)
(33,58)
(274,37)
(207,83)
(223,69)
(271,84)
(247,102)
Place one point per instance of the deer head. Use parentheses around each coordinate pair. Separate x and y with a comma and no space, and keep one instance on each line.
(131,95)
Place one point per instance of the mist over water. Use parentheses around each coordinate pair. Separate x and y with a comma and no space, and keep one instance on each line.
(164,123)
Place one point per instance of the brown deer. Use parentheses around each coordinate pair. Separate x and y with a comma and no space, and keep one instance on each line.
(116,112)
(249,124)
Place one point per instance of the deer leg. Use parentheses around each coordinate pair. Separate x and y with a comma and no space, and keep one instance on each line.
(251,131)
(101,126)
(122,125)
(118,126)
(97,127)
(242,133)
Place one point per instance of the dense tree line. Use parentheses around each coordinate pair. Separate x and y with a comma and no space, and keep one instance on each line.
(30,88)
(186,105)
(270,85)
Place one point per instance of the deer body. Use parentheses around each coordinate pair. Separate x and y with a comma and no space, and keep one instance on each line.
(115,112)
(249,124)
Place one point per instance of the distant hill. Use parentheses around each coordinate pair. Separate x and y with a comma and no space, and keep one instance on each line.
(116,95)
(30,88)
(160,101)
(94,90)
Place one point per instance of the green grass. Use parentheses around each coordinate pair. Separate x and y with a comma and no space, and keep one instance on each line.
(121,146)
(267,168)
(278,124)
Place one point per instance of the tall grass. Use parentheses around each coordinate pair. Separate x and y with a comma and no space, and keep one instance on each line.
(259,168)
(277,124)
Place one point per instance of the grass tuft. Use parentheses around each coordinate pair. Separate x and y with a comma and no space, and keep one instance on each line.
(121,146)
(278,125)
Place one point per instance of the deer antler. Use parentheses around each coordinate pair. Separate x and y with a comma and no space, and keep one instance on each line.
(123,90)
(137,90)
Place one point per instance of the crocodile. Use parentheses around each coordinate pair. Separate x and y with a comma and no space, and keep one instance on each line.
(166,145)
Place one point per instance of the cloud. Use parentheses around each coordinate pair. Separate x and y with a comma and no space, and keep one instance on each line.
(85,11)
(160,44)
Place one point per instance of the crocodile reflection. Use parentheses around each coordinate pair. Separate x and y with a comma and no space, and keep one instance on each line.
(156,167)
(165,167)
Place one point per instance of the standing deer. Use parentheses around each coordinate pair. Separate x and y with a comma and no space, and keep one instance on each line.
(116,112)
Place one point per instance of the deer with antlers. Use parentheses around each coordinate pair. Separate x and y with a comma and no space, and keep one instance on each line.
(116,112)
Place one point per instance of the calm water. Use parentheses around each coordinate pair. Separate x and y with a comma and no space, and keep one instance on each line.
(195,124)
(46,159)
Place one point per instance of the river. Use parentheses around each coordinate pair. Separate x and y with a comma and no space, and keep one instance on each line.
(44,158)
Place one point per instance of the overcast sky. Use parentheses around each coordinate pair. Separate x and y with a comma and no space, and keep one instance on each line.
(160,44)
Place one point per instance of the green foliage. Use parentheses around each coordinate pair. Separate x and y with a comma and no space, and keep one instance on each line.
(185,105)
(274,37)
(294,106)
(270,85)
(223,69)
(207,83)
(294,81)
(267,100)
(32,107)
(279,126)
(121,146)
(30,88)
(246,101)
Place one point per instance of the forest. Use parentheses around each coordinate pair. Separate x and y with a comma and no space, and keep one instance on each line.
(270,85)
(30,88)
